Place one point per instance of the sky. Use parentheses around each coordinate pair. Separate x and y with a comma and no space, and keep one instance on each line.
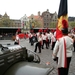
(16,9)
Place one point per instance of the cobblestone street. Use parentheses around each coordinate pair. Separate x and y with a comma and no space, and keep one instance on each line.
(45,56)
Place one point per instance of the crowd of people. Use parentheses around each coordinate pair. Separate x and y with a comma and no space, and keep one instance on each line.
(62,48)
(43,39)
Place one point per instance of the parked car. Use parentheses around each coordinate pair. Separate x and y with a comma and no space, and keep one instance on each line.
(17,60)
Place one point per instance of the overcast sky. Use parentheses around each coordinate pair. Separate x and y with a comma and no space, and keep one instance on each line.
(18,8)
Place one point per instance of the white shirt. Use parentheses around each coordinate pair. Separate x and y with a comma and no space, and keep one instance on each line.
(44,37)
(53,39)
(17,38)
(69,46)
(48,35)
(59,49)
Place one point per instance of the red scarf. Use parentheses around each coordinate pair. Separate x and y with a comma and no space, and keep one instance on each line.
(65,57)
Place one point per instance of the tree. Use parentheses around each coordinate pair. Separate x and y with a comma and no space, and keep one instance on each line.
(38,24)
(5,22)
(53,25)
(72,24)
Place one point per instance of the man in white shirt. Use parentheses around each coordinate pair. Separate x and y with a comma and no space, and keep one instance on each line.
(63,52)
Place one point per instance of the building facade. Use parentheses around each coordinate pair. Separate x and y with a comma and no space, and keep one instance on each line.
(8,25)
(25,22)
(43,20)
(48,18)
(36,21)
(5,22)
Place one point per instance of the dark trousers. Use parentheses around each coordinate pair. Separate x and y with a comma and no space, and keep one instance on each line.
(64,71)
(53,44)
(38,45)
(74,45)
(45,43)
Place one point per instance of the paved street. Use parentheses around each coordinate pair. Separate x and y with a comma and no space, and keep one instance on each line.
(45,56)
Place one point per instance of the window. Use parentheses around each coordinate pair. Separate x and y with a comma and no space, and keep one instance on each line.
(47,15)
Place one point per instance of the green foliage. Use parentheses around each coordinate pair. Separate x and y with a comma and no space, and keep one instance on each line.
(5,22)
(36,24)
(72,24)
(53,25)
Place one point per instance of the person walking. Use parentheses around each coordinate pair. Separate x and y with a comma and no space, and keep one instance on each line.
(53,41)
(44,36)
(62,52)
(17,39)
(39,43)
(48,40)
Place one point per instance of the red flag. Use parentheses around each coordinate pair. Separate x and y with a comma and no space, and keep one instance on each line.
(62,18)
(21,35)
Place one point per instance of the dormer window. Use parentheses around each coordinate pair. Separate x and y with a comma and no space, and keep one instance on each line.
(47,15)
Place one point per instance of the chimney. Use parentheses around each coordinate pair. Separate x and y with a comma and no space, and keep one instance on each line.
(39,13)
(47,10)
